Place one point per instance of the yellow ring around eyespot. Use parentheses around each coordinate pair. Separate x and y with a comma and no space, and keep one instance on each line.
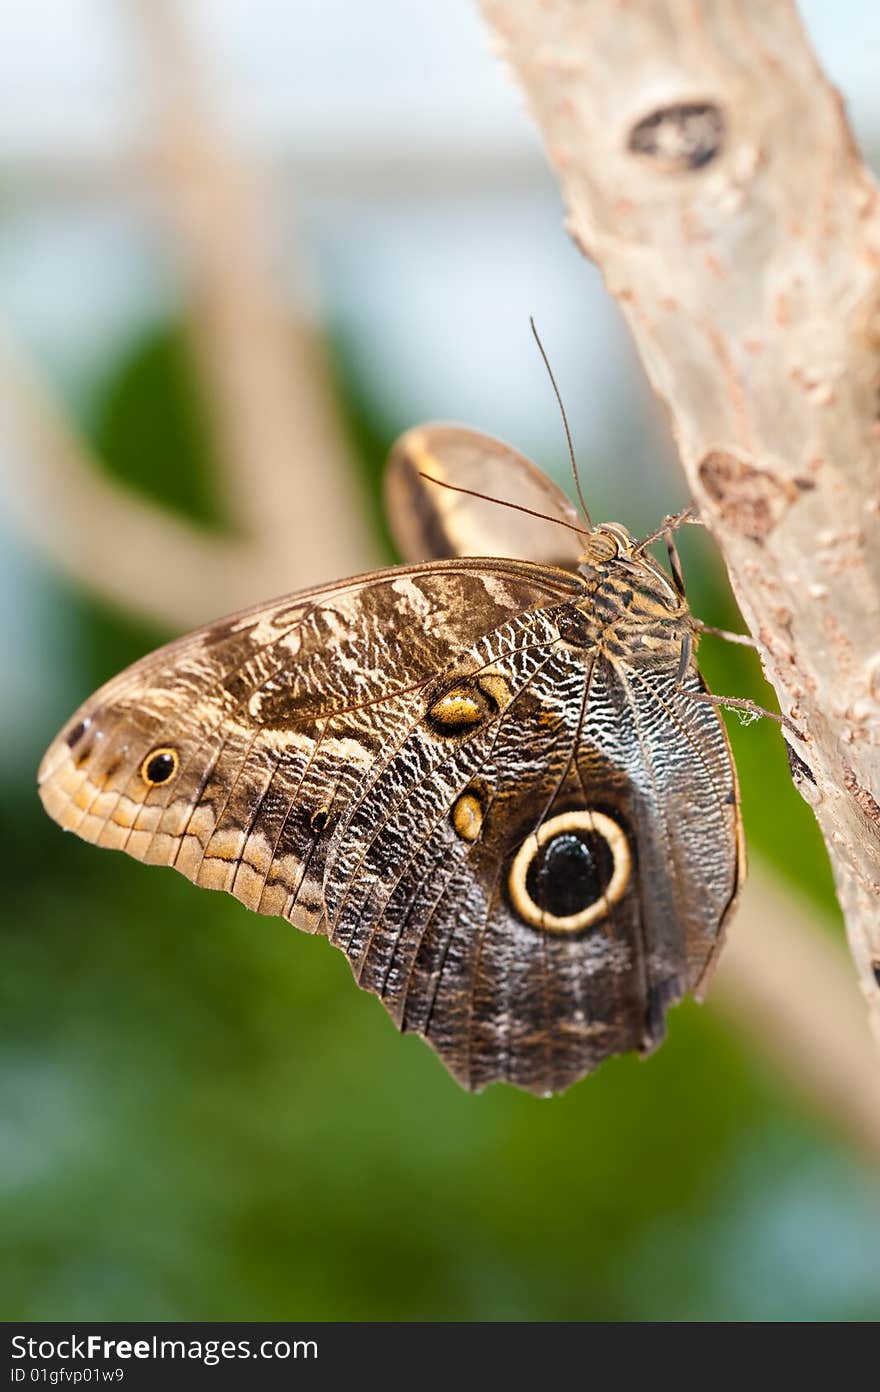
(617,843)
(155,754)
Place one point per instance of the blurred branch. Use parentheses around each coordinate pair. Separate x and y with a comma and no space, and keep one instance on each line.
(135,553)
(327,168)
(291,486)
(106,538)
(709,170)
(785,979)
(278,437)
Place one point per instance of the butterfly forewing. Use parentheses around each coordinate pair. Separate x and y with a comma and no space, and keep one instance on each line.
(270,718)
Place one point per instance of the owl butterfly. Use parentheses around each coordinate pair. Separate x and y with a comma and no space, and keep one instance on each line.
(488,781)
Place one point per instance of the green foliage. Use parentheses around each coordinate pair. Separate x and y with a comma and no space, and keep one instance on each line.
(371,433)
(150,429)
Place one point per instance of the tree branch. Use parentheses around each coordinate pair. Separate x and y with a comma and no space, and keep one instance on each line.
(709,170)
(788,985)
(101,534)
(281,452)
(277,430)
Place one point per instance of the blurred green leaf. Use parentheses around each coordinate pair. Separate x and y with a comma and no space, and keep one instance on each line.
(149,426)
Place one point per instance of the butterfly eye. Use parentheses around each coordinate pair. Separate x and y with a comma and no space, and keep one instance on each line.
(568,875)
(160,766)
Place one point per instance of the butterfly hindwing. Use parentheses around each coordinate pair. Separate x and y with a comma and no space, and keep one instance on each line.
(420,884)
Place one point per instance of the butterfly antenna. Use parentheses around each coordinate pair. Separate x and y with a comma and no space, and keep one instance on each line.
(574,468)
(502,502)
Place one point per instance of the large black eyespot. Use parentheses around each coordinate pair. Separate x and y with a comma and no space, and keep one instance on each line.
(160,766)
(570,873)
(567,875)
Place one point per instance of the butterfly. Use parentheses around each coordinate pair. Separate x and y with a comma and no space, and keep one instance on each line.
(495,784)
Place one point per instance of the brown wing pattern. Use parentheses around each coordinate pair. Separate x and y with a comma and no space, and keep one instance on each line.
(429,916)
(266,722)
(526,843)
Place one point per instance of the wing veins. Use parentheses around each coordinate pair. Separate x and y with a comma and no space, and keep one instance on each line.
(391,755)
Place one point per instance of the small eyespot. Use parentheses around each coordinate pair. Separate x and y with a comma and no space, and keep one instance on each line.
(458,710)
(75,735)
(318,820)
(467,815)
(469,704)
(160,766)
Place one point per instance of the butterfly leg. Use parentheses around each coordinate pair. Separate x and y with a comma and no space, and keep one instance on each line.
(741,703)
(671,523)
(665,530)
(684,659)
(727,702)
(667,527)
(674,563)
(743,639)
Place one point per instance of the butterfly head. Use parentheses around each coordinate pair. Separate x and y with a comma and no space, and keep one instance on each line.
(610,548)
(607,542)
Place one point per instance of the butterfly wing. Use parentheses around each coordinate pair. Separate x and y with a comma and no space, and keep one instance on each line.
(532,890)
(527,848)
(231,753)
(428,520)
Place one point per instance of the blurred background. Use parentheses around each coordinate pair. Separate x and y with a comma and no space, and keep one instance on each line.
(242,246)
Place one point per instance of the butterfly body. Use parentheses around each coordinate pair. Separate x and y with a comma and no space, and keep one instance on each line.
(485,780)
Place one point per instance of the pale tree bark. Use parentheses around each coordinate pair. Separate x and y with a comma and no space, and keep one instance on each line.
(278,436)
(708,169)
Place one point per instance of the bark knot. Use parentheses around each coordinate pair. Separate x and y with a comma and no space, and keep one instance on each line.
(750,500)
(679,138)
